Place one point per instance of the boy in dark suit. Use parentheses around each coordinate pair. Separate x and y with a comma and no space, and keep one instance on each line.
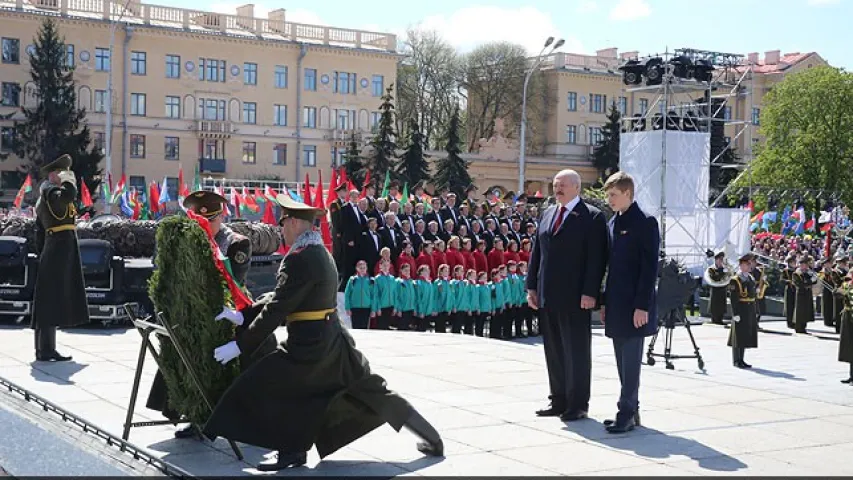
(630,294)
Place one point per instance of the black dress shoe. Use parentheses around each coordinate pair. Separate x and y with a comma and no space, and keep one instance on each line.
(432,449)
(572,416)
(610,421)
(187,432)
(53,357)
(551,411)
(621,427)
(284,460)
(849,380)
(745,365)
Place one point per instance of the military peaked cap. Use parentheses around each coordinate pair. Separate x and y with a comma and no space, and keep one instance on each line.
(205,203)
(62,163)
(292,208)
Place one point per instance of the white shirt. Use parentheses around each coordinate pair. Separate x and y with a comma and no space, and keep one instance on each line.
(569,207)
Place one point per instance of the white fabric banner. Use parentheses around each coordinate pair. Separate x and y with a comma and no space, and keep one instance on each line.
(686,169)
(689,237)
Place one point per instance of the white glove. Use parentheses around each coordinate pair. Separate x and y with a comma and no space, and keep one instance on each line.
(233,316)
(227,352)
(67,176)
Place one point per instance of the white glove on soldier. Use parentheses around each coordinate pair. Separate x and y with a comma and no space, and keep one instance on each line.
(227,352)
(233,316)
(67,176)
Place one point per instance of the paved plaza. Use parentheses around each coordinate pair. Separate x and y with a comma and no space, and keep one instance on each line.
(789,415)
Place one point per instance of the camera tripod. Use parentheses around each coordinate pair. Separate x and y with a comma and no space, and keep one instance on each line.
(672,319)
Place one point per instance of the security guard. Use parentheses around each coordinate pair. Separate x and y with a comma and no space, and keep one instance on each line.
(316,388)
(60,293)
(744,330)
(238,252)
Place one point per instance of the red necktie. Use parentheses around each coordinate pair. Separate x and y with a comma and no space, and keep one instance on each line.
(559,220)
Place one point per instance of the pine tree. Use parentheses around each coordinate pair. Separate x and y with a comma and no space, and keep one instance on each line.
(451,172)
(413,167)
(55,125)
(383,158)
(354,162)
(605,156)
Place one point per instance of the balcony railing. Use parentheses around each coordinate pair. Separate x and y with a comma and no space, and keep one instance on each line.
(212,165)
(214,129)
(274,27)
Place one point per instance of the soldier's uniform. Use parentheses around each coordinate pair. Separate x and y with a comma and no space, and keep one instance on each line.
(338,250)
(744,327)
(804,309)
(839,276)
(790,290)
(60,291)
(717,299)
(760,288)
(845,324)
(316,388)
(827,297)
(237,250)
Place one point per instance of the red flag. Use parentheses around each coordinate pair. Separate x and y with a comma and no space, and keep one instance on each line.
(26,187)
(269,216)
(306,193)
(85,196)
(364,185)
(136,207)
(343,176)
(750,206)
(154,197)
(318,192)
(350,186)
(183,191)
(333,184)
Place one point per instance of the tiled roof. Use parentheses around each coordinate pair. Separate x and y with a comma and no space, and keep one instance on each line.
(785,61)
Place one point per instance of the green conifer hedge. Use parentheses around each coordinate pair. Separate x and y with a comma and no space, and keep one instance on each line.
(190,292)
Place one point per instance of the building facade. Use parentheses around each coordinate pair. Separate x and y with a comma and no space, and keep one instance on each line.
(583,87)
(235,96)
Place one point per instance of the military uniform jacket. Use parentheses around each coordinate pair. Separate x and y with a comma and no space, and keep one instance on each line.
(60,292)
(744,331)
(316,388)
(804,308)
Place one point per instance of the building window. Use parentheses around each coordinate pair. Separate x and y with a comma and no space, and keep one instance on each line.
(571,134)
(173,66)
(309,117)
(100,101)
(345,83)
(211,109)
(374,121)
(138,63)
(171,186)
(250,73)
(280,76)
(102,59)
(11,50)
(623,106)
(173,107)
(11,95)
(212,149)
(137,146)
(69,56)
(137,182)
(311,79)
(172,148)
(279,115)
(597,103)
(644,106)
(378,85)
(249,151)
(211,70)
(338,155)
(595,135)
(756,116)
(250,112)
(345,119)
(279,154)
(137,104)
(573,101)
(7,138)
(727,113)
(100,141)
(309,156)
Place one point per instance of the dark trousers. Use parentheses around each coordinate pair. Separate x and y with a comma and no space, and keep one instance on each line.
(629,358)
(423,323)
(519,322)
(480,323)
(510,317)
(404,321)
(567,338)
(383,322)
(45,341)
(527,316)
(468,323)
(360,318)
(456,320)
(496,324)
(441,322)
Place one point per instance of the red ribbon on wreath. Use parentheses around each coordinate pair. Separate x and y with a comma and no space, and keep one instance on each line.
(241,301)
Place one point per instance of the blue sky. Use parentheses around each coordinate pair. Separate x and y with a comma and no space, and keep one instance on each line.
(649,26)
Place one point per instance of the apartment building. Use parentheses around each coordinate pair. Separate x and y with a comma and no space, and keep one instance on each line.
(235,95)
(583,87)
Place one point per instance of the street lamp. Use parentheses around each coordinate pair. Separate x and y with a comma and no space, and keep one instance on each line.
(535,67)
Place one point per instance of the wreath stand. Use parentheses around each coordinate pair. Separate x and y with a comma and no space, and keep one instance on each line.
(145,328)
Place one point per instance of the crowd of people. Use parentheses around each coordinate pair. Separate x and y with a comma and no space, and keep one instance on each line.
(425,263)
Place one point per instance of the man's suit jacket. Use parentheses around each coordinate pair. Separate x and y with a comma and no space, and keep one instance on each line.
(353,223)
(632,274)
(393,239)
(448,213)
(570,262)
(368,249)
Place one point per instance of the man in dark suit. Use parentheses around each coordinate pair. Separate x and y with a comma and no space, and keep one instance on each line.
(354,222)
(369,245)
(563,283)
(630,298)
(392,237)
(336,213)
(450,212)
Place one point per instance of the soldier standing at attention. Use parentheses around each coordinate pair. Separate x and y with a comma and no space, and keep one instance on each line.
(839,275)
(718,273)
(60,293)
(760,287)
(744,331)
(790,289)
(803,280)
(238,253)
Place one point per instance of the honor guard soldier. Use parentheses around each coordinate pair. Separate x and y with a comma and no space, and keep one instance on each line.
(845,324)
(336,217)
(316,388)
(60,292)
(827,291)
(744,331)
(718,277)
(237,250)
(839,275)
(758,274)
(790,289)
(804,279)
